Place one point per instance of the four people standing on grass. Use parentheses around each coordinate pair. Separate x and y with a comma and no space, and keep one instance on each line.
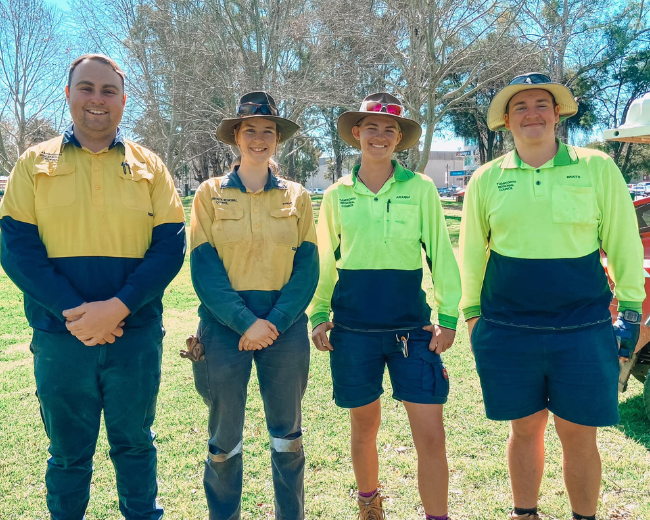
(536,296)
(372,229)
(93,232)
(254,267)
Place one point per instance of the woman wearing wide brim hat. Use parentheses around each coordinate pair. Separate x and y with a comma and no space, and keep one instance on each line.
(372,228)
(254,267)
(536,297)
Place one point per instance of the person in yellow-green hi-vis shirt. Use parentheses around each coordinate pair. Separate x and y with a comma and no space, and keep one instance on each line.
(535,294)
(372,229)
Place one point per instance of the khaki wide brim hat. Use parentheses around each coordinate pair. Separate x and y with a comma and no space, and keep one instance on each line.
(286,127)
(563,97)
(411,130)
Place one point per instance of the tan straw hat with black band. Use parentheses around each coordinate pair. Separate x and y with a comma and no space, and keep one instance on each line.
(531,80)
(380,104)
(255,104)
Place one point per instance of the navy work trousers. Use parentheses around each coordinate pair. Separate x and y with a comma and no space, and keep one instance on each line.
(222,380)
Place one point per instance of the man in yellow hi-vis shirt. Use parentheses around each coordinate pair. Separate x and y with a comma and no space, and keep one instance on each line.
(92,233)
(535,294)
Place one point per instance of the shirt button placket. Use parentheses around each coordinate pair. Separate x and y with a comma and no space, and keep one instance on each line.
(97,182)
(255,217)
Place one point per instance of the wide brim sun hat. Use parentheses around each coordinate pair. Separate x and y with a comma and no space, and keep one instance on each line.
(636,128)
(532,80)
(255,104)
(380,104)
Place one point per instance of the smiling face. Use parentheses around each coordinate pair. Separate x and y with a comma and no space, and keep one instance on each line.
(96,99)
(531,117)
(378,136)
(257,139)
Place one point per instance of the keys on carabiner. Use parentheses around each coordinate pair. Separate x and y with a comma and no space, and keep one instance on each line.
(403,344)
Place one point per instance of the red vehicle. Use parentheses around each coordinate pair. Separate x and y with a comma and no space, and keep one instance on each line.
(639,363)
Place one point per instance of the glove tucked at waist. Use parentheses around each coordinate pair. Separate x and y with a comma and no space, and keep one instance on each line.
(195,350)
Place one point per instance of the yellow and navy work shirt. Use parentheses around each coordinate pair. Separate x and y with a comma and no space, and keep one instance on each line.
(530,240)
(79,226)
(253,255)
(371,255)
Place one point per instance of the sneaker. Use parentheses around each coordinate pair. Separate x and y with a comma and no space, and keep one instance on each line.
(370,508)
(514,516)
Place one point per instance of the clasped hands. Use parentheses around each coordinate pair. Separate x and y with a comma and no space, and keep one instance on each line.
(259,335)
(97,323)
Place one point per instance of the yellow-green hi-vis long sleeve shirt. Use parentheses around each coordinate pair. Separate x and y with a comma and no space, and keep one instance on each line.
(370,248)
(530,241)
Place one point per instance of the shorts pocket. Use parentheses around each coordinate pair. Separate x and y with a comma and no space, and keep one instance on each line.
(54,185)
(435,377)
(284,226)
(402,222)
(574,205)
(228,226)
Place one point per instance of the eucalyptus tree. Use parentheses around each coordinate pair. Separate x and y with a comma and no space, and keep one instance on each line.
(443,52)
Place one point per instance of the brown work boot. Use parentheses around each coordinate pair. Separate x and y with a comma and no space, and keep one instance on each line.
(370,508)
(514,516)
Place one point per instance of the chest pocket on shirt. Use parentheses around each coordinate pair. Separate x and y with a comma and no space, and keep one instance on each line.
(228,226)
(402,222)
(54,185)
(284,226)
(574,205)
(134,188)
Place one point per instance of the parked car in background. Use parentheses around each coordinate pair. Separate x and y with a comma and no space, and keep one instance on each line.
(318,191)
(638,364)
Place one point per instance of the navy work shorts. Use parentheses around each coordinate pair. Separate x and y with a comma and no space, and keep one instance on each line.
(359,358)
(572,373)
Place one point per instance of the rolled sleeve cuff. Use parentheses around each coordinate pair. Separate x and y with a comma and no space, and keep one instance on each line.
(630,306)
(472,312)
(448,322)
(281,321)
(319,318)
(243,321)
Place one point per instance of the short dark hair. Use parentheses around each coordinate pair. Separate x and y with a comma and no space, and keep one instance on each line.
(96,57)
(549,93)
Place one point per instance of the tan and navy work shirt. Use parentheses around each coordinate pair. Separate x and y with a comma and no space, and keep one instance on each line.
(253,255)
(79,226)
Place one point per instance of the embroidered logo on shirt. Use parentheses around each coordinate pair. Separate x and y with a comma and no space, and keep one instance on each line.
(219,200)
(403,197)
(506,185)
(573,176)
(286,203)
(50,157)
(347,203)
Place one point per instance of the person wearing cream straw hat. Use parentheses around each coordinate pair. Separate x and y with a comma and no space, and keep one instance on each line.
(536,297)
(254,266)
(372,228)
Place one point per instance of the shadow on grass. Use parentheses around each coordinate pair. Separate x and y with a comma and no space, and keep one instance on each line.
(635,424)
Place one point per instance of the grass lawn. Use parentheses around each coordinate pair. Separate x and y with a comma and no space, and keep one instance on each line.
(479,487)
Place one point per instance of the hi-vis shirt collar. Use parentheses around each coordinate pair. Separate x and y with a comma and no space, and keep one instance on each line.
(131,166)
(565,156)
(69,137)
(232,180)
(400,174)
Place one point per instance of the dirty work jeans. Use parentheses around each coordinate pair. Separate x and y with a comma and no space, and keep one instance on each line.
(222,380)
(74,383)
